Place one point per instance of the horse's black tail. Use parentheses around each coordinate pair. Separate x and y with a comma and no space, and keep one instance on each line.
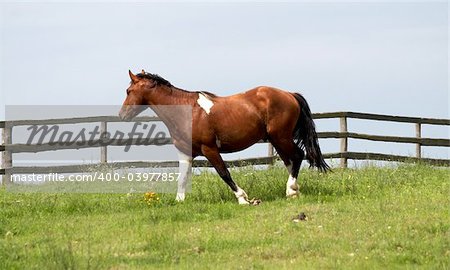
(305,135)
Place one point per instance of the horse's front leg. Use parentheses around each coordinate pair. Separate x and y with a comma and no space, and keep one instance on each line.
(213,156)
(185,170)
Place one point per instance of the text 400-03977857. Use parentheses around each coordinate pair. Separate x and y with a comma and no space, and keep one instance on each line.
(138,177)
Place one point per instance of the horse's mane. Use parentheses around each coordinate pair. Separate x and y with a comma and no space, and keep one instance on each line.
(160,80)
(155,77)
(209,94)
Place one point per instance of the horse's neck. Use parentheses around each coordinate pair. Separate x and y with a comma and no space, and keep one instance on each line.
(172,96)
(174,107)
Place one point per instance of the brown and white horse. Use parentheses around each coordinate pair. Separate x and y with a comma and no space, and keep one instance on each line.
(230,124)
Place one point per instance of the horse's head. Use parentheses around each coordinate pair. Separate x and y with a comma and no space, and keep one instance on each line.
(139,93)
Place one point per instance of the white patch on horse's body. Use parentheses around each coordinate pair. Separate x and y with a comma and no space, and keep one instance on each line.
(185,169)
(205,102)
(241,196)
(291,185)
(218,142)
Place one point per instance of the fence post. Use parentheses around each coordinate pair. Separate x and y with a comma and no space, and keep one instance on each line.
(418,136)
(103,148)
(7,155)
(270,153)
(344,142)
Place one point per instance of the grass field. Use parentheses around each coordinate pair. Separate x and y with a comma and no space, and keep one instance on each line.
(367,218)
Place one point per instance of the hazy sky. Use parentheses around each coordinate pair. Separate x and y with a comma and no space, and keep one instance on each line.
(389,58)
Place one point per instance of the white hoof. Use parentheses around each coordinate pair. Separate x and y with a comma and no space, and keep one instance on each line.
(243,201)
(180,197)
(292,191)
(241,196)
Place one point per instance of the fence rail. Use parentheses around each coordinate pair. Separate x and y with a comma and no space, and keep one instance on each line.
(382,117)
(7,148)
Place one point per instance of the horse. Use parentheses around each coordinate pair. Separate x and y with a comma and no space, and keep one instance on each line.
(232,123)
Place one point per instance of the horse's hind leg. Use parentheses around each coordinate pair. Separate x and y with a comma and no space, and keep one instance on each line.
(213,155)
(292,157)
(292,189)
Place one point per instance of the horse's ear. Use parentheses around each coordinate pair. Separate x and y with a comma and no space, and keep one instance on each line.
(133,77)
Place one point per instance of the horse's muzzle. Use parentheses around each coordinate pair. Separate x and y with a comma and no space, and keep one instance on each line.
(125,115)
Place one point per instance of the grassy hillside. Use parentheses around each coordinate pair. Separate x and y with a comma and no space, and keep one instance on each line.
(364,218)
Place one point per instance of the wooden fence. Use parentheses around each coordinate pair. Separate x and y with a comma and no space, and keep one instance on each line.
(7,148)
(418,140)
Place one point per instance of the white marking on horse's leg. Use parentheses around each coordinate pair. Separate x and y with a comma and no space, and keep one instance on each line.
(185,170)
(291,185)
(241,196)
(205,102)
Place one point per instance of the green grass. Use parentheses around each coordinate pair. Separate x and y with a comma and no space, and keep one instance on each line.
(368,218)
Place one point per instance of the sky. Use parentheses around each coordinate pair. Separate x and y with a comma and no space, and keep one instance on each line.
(376,57)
